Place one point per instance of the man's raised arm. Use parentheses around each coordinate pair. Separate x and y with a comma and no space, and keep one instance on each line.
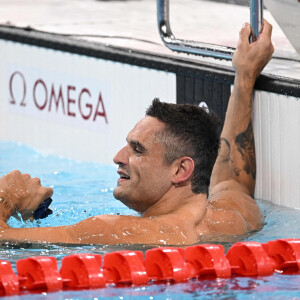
(235,166)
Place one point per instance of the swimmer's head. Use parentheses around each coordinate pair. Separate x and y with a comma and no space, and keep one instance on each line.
(190,131)
(172,146)
(145,179)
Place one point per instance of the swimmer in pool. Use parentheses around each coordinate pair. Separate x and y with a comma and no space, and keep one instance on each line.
(172,172)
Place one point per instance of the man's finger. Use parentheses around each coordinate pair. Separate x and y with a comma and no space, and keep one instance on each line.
(48,192)
(245,33)
(267,29)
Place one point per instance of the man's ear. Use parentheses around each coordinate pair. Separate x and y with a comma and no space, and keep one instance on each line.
(184,168)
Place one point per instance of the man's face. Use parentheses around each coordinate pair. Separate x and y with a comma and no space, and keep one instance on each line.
(144,177)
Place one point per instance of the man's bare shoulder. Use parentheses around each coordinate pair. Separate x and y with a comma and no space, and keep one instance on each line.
(231,210)
(168,229)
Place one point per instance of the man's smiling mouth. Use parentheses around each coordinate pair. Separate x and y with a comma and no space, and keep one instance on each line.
(123,176)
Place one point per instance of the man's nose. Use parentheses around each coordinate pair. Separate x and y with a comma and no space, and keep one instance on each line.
(121,157)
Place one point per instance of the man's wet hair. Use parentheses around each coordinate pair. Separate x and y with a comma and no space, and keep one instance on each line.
(190,131)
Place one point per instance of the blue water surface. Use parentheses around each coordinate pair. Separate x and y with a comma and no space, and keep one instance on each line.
(84,189)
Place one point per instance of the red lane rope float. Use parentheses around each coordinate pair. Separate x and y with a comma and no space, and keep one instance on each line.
(39,273)
(125,267)
(166,264)
(82,271)
(9,281)
(207,260)
(286,255)
(250,259)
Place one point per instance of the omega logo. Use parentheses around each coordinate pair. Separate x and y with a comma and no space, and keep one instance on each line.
(14,78)
(70,100)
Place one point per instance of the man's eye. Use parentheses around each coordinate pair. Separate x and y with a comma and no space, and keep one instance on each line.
(137,150)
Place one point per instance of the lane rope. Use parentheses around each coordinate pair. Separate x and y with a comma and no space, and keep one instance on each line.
(158,265)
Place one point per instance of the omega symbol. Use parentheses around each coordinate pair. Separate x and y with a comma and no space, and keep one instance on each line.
(17,88)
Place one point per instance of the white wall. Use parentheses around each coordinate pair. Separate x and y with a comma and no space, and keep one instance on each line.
(276,121)
(32,73)
(126,91)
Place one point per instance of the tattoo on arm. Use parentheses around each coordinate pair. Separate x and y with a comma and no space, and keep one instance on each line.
(224,151)
(237,171)
(245,145)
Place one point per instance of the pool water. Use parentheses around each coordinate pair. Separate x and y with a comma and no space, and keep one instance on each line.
(84,189)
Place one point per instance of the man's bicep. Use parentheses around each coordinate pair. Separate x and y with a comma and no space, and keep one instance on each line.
(236,161)
(222,169)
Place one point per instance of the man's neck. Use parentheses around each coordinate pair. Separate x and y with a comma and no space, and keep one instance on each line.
(175,201)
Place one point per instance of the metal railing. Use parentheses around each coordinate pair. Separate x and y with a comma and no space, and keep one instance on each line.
(256,17)
(198,48)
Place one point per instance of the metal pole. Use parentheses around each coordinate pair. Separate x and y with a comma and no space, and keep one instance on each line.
(185,46)
(198,48)
(256,18)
